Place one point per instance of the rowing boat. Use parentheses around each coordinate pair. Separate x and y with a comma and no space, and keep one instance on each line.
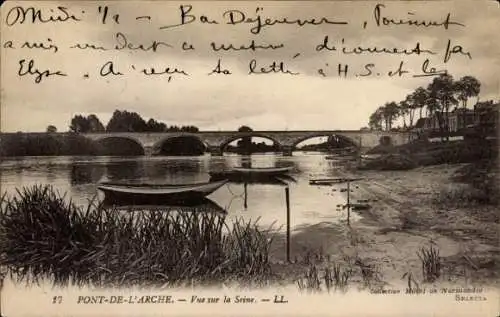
(165,193)
(263,170)
(247,178)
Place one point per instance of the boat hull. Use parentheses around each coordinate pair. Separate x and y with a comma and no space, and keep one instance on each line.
(145,194)
(272,171)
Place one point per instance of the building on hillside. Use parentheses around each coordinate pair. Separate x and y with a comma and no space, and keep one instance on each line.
(459,119)
(486,117)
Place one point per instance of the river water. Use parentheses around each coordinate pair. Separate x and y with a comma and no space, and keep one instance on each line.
(77,177)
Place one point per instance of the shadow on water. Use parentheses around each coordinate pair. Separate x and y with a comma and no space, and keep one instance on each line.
(81,174)
(203,205)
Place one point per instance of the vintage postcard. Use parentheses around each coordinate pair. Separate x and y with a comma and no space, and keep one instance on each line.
(202,158)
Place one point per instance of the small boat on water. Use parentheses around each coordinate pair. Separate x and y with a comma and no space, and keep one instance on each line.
(149,193)
(259,175)
(340,158)
(263,170)
(244,178)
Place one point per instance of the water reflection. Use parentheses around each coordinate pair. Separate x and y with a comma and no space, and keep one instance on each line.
(129,170)
(204,206)
(86,173)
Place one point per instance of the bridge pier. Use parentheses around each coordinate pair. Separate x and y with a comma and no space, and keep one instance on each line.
(215,151)
(287,150)
(149,151)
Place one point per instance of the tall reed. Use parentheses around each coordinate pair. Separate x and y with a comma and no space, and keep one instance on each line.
(431,263)
(42,235)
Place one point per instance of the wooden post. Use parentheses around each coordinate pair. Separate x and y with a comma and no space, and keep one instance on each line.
(245,204)
(348,202)
(2,280)
(287,197)
(359,152)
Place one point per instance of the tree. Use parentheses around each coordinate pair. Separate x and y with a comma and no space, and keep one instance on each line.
(125,121)
(419,99)
(465,88)
(375,121)
(442,90)
(390,111)
(189,128)
(246,142)
(413,105)
(155,126)
(81,124)
(95,125)
(245,128)
(51,129)
(403,110)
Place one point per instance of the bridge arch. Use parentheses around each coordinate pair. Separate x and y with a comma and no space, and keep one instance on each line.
(120,146)
(186,144)
(349,140)
(224,144)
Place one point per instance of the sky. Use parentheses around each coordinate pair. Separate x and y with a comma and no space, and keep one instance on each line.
(307,101)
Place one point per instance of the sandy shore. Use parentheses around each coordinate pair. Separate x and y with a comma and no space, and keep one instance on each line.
(404,217)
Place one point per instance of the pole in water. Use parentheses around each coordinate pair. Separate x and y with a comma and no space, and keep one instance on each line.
(287,197)
(348,201)
(359,152)
(245,204)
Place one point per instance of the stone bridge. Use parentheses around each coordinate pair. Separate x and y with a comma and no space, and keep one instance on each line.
(216,141)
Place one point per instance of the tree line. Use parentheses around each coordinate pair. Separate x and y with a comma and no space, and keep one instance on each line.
(121,121)
(443,94)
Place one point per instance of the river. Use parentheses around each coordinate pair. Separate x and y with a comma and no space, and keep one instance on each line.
(77,177)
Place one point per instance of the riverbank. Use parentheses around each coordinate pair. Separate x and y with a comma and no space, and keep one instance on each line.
(425,207)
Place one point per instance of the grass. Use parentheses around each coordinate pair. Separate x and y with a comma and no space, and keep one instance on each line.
(42,235)
(335,278)
(412,283)
(431,263)
(464,195)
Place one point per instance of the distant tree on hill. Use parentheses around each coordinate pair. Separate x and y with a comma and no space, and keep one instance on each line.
(51,129)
